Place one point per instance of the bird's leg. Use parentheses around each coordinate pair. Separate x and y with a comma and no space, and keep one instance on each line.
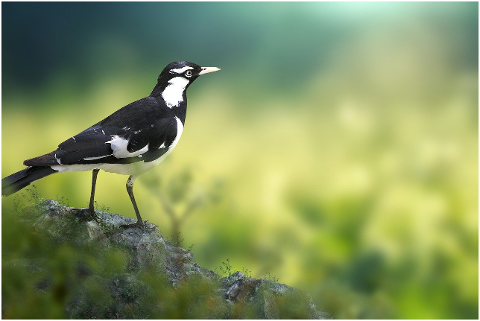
(130,181)
(92,194)
(91,207)
(139,223)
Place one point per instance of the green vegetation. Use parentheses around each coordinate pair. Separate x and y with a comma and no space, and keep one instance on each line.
(344,137)
(40,276)
(61,271)
(42,279)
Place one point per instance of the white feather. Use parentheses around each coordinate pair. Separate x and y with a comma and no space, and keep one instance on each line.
(180,70)
(179,134)
(58,159)
(173,94)
(119,147)
(96,157)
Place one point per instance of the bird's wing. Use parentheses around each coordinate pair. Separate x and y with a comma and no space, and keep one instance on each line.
(106,143)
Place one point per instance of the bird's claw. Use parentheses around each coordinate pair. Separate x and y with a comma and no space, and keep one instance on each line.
(89,215)
(138,224)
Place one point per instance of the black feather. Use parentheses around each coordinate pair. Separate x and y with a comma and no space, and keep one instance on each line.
(23,178)
(141,123)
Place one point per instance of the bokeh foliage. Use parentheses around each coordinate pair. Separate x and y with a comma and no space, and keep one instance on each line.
(344,135)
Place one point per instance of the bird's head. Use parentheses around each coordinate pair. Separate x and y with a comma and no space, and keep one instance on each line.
(178,75)
(185,69)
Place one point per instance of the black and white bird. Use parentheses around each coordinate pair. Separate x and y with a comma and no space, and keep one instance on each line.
(130,141)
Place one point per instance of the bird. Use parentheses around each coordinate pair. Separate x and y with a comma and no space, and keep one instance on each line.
(131,141)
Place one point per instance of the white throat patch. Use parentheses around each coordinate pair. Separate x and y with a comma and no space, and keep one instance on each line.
(173,94)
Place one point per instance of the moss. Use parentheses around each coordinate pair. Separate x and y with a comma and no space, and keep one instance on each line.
(56,264)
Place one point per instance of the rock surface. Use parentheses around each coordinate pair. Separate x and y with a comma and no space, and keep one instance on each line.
(158,279)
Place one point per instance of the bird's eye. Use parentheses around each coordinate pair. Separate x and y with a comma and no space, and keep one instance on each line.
(188,73)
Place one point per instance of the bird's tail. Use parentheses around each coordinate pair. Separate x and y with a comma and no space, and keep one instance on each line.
(23,178)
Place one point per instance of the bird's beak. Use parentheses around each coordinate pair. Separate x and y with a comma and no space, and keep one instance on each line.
(206,70)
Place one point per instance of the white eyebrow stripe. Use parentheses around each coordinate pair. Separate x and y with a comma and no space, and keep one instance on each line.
(180,70)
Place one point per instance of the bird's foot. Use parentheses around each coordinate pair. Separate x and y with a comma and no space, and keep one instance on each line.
(138,224)
(89,214)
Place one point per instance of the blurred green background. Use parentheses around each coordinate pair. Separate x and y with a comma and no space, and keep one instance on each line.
(337,150)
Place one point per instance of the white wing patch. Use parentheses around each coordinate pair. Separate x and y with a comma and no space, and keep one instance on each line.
(119,148)
(58,159)
(96,157)
(173,94)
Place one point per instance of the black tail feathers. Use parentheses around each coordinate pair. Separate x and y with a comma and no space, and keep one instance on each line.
(23,178)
